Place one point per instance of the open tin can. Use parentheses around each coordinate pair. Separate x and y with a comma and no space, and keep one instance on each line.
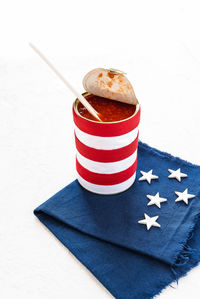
(106,158)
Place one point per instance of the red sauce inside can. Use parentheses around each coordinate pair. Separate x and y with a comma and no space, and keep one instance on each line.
(109,110)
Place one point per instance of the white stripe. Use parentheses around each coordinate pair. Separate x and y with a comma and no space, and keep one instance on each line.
(106,143)
(108,167)
(106,190)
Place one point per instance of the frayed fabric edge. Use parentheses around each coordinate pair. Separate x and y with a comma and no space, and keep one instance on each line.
(188,258)
(154,151)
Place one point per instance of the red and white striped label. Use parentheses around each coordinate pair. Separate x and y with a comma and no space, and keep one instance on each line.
(106,158)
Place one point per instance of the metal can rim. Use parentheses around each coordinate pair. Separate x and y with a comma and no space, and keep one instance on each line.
(94,121)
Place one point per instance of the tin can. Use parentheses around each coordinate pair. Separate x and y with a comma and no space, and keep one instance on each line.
(106,158)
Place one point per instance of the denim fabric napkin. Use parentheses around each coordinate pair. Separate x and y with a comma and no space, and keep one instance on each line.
(104,234)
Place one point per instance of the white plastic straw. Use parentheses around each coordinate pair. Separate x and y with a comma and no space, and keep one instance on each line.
(78,95)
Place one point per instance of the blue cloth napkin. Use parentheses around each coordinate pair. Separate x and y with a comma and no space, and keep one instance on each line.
(104,234)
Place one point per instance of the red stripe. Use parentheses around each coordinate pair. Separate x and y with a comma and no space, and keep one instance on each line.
(105,179)
(106,129)
(106,155)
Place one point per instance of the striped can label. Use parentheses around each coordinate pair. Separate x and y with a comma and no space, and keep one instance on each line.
(106,158)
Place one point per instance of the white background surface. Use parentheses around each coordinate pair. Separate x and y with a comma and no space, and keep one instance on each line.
(158,44)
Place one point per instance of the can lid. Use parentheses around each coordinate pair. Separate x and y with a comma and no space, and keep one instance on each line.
(111,84)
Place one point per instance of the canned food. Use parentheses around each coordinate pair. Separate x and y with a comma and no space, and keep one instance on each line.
(106,159)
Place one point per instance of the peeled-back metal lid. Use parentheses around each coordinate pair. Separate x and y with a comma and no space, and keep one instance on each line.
(111,84)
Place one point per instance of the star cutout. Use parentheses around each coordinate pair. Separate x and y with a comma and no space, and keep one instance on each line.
(155,200)
(176,174)
(149,221)
(184,196)
(148,176)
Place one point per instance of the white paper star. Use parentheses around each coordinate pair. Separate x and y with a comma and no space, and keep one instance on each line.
(149,221)
(184,196)
(155,200)
(176,174)
(148,176)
